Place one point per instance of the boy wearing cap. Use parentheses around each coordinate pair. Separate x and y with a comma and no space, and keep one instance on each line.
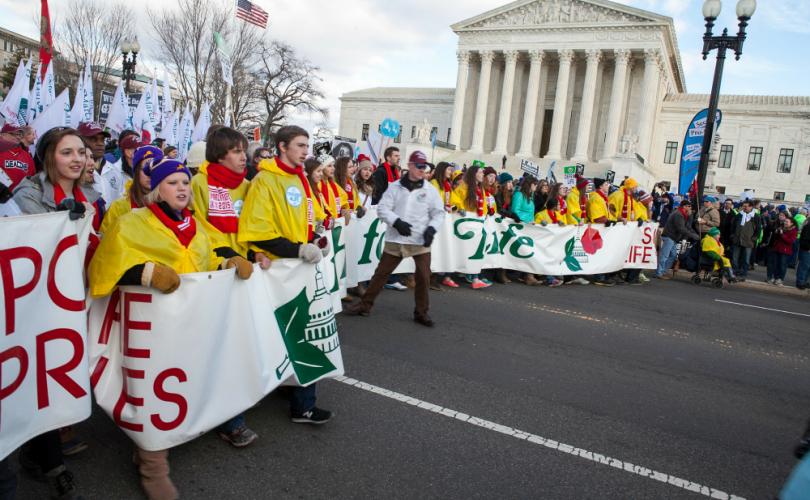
(16,162)
(414,213)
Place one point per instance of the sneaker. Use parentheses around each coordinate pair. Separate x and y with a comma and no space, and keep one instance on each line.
(603,282)
(396,286)
(478,284)
(62,485)
(555,283)
(770,281)
(643,278)
(579,281)
(448,282)
(778,282)
(469,278)
(240,437)
(314,416)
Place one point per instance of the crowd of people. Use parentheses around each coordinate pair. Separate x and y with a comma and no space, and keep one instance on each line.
(233,205)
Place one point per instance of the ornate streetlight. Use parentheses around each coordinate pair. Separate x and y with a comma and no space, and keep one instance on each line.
(134,47)
(711,9)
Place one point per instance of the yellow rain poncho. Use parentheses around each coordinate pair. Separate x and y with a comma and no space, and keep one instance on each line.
(574,215)
(713,249)
(616,202)
(118,208)
(458,199)
(544,216)
(199,193)
(597,208)
(139,237)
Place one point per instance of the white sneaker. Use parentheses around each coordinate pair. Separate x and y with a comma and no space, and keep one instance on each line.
(396,286)
(769,281)
(777,282)
(643,278)
(580,281)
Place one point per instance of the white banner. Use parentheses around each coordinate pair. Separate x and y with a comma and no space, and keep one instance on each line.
(44,381)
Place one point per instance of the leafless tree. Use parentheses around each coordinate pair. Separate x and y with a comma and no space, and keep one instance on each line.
(289,83)
(91,29)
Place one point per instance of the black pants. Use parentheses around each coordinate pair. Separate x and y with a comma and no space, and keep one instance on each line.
(45,451)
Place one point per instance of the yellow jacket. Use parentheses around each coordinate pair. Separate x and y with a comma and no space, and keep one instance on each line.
(446,200)
(276,207)
(597,208)
(334,205)
(117,208)
(458,199)
(139,237)
(641,211)
(709,245)
(344,195)
(616,202)
(199,193)
(544,216)
(574,215)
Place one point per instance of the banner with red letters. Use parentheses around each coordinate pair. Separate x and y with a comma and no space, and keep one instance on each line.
(44,378)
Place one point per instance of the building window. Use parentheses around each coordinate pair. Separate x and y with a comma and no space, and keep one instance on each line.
(720,189)
(671,152)
(364,134)
(413,131)
(807,198)
(779,195)
(785,161)
(754,157)
(726,151)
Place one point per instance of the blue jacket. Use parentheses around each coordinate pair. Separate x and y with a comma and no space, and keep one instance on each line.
(523,208)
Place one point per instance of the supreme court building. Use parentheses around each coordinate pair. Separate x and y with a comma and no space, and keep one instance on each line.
(593,82)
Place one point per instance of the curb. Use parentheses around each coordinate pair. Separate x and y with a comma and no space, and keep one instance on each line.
(759,286)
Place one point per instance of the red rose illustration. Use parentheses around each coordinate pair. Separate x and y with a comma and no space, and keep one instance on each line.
(591,241)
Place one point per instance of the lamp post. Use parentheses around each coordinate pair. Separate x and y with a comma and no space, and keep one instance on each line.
(711,9)
(134,47)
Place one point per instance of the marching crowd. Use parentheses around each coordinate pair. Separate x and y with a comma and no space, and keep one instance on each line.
(231,205)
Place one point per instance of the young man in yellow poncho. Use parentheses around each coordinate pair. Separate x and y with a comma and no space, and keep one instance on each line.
(622,203)
(712,250)
(279,218)
(599,213)
(577,202)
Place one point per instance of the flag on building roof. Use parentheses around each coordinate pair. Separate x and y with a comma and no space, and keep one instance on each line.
(251,13)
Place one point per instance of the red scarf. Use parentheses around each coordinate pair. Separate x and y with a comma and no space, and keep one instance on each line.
(563,206)
(391,172)
(184,229)
(603,195)
(59,195)
(481,201)
(221,212)
(627,211)
(326,186)
(350,192)
(552,215)
(132,204)
(682,210)
(583,205)
(299,171)
(447,188)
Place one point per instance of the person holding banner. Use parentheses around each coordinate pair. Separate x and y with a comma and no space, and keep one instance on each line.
(145,156)
(551,215)
(414,213)
(151,247)
(345,169)
(279,218)
(470,195)
(336,203)
(577,202)
(387,173)
(622,202)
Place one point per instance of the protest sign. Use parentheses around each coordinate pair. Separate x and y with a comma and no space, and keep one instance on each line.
(530,168)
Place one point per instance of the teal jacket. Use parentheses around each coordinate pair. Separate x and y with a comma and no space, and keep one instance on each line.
(523,208)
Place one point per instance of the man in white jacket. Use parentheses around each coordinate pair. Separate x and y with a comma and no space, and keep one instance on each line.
(414,212)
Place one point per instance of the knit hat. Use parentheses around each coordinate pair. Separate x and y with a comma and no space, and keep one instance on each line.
(131,141)
(326,160)
(489,170)
(582,182)
(478,163)
(644,197)
(196,155)
(710,199)
(597,182)
(362,157)
(630,183)
(147,152)
(505,177)
(714,232)
(164,169)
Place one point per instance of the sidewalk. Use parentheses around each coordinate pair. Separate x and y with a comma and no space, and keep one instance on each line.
(756,281)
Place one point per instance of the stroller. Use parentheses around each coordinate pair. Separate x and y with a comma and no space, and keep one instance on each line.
(703,268)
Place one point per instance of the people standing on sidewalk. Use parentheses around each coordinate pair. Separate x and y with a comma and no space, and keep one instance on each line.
(414,212)
(803,266)
(744,231)
(727,214)
(780,249)
(708,215)
(676,230)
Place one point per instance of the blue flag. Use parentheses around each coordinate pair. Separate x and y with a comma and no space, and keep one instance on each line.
(692,148)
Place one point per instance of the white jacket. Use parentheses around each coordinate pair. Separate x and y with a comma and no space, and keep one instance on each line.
(112,184)
(420,208)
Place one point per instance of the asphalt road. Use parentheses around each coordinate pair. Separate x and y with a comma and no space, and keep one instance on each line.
(660,377)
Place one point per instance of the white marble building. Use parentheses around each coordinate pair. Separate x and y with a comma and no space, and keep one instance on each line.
(595,82)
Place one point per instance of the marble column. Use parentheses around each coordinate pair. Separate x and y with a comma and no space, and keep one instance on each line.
(586,108)
(560,105)
(482,102)
(617,93)
(649,102)
(510,57)
(461,94)
(530,112)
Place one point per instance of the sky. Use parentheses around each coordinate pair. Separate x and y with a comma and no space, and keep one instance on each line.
(408,43)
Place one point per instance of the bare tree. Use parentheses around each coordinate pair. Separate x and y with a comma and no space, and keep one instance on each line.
(288,84)
(92,30)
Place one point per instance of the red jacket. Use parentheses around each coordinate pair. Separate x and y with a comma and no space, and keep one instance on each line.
(16,163)
(783,242)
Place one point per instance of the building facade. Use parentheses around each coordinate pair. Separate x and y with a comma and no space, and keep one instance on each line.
(592,82)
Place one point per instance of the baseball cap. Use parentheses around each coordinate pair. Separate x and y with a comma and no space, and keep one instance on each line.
(418,159)
(130,142)
(10,128)
(89,129)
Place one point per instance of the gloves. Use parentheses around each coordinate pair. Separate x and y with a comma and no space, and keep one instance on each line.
(430,232)
(360,212)
(640,223)
(323,244)
(543,223)
(74,208)
(5,193)
(462,213)
(402,227)
(160,277)
(310,253)
(243,267)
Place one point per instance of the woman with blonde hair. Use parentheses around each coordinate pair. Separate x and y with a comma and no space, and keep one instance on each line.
(470,196)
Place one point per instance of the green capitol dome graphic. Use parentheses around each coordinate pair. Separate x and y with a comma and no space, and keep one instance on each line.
(321,328)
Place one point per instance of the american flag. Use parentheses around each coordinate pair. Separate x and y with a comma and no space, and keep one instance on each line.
(251,13)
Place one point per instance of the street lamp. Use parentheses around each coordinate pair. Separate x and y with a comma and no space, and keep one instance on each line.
(711,9)
(134,47)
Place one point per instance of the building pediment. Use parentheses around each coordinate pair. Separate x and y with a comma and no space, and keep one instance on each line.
(559,13)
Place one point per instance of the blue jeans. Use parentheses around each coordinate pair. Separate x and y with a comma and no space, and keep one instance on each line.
(740,257)
(303,399)
(232,424)
(777,265)
(803,268)
(669,251)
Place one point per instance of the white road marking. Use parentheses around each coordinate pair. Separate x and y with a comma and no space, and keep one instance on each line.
(549,443)
(760,307)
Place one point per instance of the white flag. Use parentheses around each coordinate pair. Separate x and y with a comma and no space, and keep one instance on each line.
(88,101)
(48,87)
(119,111)
(184,134)
(11,106)
(224,59)
(56,115)
(175,127)
(167,109)
(77,113)
(142,119)
(35,105)
(203,123)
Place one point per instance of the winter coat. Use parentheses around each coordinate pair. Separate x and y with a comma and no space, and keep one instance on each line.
(804,240)
(744,236)
(34,195)
(782,240)
(522,207)
(678,228)
(711,218)
(417,203)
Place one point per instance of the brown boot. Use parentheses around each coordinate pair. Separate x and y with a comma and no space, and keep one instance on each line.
(435,283)
(357,309)
(409,281)
(501,277)
(531,280)
(154,469)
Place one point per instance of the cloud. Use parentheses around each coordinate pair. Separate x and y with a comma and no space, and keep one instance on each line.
(788,15)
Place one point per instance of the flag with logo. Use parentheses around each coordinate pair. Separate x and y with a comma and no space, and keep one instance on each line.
(14,106)
(224,55)
(118,117)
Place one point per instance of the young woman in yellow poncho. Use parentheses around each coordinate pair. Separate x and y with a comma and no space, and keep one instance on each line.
(345,168)
(551,215)
(469,196)
(152,246)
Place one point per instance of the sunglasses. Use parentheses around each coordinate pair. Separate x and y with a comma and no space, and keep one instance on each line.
(421,166)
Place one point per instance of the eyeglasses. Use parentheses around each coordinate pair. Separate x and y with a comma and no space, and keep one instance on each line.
(421,166)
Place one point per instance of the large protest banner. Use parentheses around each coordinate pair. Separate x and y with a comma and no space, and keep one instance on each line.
(470,244)
(44,378)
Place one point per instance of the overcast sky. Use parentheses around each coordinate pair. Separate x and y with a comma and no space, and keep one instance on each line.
(366,43)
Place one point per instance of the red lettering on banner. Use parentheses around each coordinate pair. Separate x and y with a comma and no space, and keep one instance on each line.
(98,371)
(53,290)
(129,325)
(11,292)
(125,398)
(110,315)
(60,373)
(21,356)
(170,397)
(639,255)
